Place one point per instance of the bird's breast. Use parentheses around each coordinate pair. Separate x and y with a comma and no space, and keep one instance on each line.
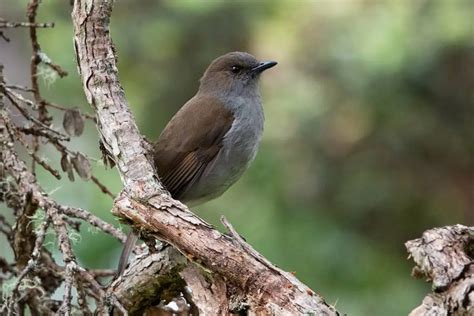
(239,147)
(240,144)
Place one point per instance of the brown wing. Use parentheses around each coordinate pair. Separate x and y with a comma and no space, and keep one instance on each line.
(190,142)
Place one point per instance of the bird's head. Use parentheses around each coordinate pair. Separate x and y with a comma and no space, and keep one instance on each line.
(234,73)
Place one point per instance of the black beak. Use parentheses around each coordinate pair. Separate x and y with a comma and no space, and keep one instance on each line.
(264,65)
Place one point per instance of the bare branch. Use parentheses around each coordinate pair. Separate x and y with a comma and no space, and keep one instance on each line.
(20,98)
(35,157)
(7,24)
(73,274)
(92,220)
(3,36)
(63,108)
(35,60)
(98,273)
(29,117)
(48,62)
(18,87)
(102,187)
(37,274)
(5,227)
(40,235)
(34,130)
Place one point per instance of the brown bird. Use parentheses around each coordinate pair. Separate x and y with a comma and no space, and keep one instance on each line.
(214,137)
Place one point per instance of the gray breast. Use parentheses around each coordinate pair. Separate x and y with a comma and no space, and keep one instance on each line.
(239,148)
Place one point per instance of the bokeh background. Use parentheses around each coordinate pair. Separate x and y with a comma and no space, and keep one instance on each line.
(369,133)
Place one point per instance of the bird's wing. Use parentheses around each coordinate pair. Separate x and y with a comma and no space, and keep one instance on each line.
(190,142)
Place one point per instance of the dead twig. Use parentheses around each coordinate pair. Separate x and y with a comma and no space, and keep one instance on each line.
(3,36)
(7,24)
(43,117)
(18,87)
(93,220)
(29,117)
(35,157)
(103,188)
(32,263)
(63,108)
(5,227)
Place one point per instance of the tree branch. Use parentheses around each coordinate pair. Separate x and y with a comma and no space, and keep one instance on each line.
(28,187)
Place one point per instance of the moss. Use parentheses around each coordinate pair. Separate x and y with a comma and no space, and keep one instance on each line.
(162,288)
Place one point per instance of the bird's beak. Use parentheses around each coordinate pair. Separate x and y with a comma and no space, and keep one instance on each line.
(264,65)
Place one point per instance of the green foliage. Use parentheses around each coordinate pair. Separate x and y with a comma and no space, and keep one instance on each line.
(368,138)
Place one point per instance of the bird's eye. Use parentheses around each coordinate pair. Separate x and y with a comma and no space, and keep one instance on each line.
(236,69)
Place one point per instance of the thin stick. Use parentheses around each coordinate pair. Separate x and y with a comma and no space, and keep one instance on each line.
(63,108)
(35,157)
(92,220)
(18,87)
(7,24)
(35,60)
(102,187)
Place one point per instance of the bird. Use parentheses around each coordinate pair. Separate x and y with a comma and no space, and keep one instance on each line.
(212,139)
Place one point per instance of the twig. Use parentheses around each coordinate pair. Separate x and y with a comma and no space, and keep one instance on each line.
(61,148)
(48,62)
(82,298)
(20,98)
(35,157)
(92,220)
(5,231)
(26,115)
(26,183)
(5,227)
(35,110)
(93,282)
(98,292)
(102,187)
(18,87)
(100,273)
(32,130)
(40,235)
(76,225)
(45,166)
(7,24)
(6,267)
(72,270)
(68,282)
(68,257)
(247,247)
(2,35)
(63,108)
(35,60)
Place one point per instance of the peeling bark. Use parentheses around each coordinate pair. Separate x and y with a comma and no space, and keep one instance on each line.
(445,257)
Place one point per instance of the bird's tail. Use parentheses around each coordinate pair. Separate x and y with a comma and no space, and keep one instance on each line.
(132,239)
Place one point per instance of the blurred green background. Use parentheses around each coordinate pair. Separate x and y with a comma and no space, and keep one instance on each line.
(369,133)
